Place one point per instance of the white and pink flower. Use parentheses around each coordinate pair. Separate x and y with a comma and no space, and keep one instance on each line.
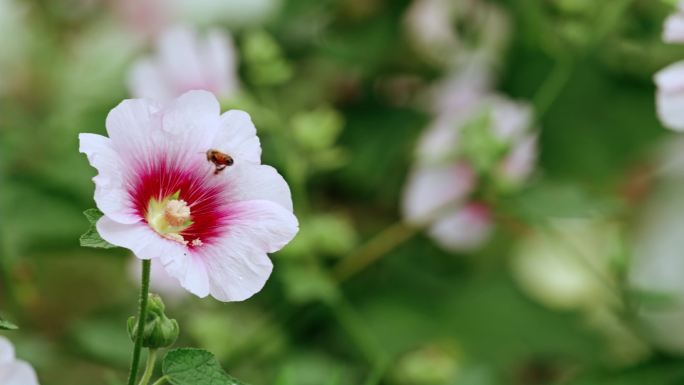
(12,370)
(185,61)
(164,200)
(440,187)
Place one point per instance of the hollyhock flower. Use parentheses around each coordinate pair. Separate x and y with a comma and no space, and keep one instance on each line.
(473,134)
(12,370)
(211,229)
(185,61)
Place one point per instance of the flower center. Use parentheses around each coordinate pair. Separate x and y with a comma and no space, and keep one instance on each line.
(169,217)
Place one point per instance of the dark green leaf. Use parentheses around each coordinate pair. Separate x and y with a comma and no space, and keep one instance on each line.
(189,366)
(93,215)
(92,238)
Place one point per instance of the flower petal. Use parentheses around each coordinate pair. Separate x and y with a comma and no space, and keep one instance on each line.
(464,230)
(134,127)
(6,351)
(237,137)
(670,96)
(258,182)
(139,238)
(18,373)
(237,275)
(238,267)
(673,31)
(110,194)
(192,120)
(219,60)
(145,81)
(519,163)
(180,58)
(429,190)
(190,269)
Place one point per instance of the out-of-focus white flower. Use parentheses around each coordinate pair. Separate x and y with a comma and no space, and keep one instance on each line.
(567,265)
(435,29)
(164,198)
(656,271)
(185,61)
(673,31)
(12,370)
(464,229)
(430,190)
(518,165)
(670,96)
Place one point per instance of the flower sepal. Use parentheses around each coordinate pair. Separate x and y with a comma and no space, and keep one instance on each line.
(92,238)
(159,331)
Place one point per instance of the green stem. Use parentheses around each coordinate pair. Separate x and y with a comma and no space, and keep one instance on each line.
(377,247)
(553,86)
(161,380)
(149,367)
(142,314)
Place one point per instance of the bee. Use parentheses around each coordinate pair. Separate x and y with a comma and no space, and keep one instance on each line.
(220,160)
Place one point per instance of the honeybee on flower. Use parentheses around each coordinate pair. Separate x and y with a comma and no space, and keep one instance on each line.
(162,199)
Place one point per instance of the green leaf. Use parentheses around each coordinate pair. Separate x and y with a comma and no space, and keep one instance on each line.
(92,238)
(6,325)
(189,366)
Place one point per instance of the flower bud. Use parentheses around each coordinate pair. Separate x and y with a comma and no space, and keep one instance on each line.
(159,331)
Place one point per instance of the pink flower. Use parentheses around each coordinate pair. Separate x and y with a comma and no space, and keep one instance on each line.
(185,62)
(12,370)
(670,96)
(440,186)
(465,229)
(163,199)
(431,190)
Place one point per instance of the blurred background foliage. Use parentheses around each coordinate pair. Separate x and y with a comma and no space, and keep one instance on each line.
(336,90)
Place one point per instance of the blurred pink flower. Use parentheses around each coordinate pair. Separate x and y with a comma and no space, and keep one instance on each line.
(185,61)
(444,176)
(673,31)
(163,199)
(518,165)
(146,18)
(12,370)
(430,190)
(670,96)
(465,229)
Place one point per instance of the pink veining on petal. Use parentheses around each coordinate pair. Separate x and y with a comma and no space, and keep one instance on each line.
(163,177)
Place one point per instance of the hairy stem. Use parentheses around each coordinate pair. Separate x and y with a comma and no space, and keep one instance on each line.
(142,313)
(149,367)
(374,249)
